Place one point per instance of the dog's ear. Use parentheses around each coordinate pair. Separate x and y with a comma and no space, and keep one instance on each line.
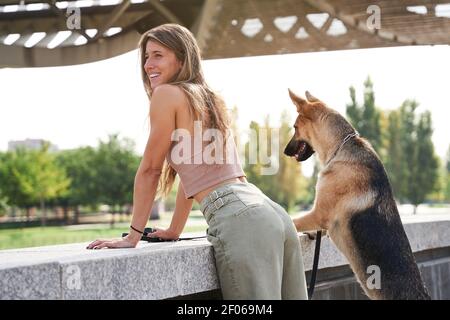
(299,102)
(310,97)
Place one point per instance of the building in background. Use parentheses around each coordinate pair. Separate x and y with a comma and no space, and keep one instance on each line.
(31,144)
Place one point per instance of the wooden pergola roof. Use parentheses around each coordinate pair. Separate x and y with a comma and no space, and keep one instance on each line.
(36,33)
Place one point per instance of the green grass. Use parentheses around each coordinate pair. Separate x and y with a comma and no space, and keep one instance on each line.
(42,236)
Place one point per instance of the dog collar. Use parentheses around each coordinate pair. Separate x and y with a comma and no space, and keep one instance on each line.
(348,137)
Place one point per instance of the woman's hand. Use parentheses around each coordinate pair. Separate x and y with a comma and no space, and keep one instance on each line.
(125,242)
(165,234)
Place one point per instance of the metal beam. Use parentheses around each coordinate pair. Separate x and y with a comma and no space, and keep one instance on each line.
(218,27)
(51,24)
(349,21)
(63,17)
(114,16)
(20,57)
(70,40)
(44,42)
(205,21)
(163,11)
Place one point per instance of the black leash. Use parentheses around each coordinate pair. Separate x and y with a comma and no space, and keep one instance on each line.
(312,281)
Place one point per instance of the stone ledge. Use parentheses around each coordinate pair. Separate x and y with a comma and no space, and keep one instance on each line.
(156,270)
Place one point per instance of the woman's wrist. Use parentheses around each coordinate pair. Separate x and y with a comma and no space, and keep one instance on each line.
(174,232)
(134,236)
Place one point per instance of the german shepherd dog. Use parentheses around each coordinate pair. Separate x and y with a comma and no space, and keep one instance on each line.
(354,203)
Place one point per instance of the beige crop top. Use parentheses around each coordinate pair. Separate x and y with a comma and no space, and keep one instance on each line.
(202,164)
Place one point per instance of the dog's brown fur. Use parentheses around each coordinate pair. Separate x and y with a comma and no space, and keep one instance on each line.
(354,202)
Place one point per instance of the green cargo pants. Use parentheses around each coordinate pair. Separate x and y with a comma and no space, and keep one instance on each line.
(256,247)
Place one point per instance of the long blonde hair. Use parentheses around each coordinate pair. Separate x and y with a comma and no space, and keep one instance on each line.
(205,104)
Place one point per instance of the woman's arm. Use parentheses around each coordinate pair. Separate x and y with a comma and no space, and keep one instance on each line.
(164,102)
(183,207)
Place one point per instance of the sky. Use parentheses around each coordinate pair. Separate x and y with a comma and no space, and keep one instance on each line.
(78,105)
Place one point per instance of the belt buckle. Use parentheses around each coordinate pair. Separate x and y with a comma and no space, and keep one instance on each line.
(216,196)
(221,203)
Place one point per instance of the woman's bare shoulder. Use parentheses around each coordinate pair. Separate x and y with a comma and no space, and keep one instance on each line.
(169,94)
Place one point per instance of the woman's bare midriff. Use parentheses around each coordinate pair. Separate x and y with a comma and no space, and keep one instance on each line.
(202,194)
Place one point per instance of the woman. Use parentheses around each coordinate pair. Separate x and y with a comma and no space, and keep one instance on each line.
(256,247)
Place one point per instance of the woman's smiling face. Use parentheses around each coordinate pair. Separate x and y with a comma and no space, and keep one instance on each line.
(161,64)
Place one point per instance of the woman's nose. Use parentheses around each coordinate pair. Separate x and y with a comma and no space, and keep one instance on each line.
(148,65)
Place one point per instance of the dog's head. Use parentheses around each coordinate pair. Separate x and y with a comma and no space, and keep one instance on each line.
(309,112)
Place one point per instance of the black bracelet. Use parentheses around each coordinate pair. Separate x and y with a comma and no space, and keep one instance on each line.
(141,232)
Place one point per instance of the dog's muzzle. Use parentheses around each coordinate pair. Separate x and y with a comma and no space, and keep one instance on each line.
(299,149)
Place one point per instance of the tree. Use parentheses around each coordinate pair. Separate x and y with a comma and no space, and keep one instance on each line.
(407,145)
(30,176)
(3,202)
(252,165)
(278,176)
(447,177)
(13,163)
(439,193)
(411,162)
(394,158)
(290,182)
(80,168)
(234,115)
(46,179)
(262,163)
(366,118)
(425,170)
(116,166)
(7,189)
(270,161)
(447,162)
